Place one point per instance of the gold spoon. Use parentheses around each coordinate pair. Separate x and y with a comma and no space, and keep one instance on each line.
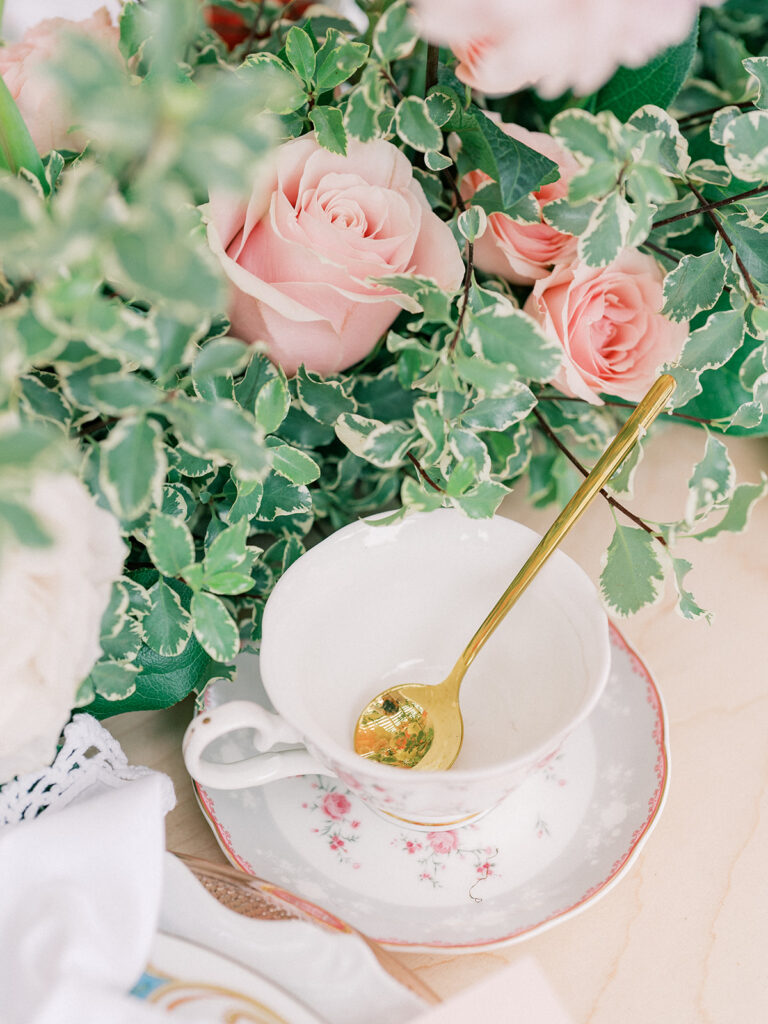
(420,726)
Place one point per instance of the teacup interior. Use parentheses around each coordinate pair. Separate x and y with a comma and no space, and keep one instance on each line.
(377,605)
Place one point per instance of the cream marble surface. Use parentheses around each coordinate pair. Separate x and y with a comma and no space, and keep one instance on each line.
(683,938)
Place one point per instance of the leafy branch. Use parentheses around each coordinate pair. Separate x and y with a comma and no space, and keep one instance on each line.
(585,472)
(717,223)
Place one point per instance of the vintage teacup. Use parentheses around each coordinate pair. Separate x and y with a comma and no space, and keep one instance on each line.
(378,604)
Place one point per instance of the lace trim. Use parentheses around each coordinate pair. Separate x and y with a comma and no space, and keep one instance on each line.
(88,755)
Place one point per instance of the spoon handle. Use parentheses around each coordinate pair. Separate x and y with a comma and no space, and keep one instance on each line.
(644,414)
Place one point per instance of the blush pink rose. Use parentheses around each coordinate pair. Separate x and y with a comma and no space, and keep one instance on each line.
(443,842)
(36,92)
(304,254)
(506,45)
(523,253)
(609,323)
(336,805)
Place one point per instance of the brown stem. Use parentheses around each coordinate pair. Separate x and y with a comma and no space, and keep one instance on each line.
(725,237)
(699,114)
(392,83)
(433,59)
(96,425)
(464,299)
(626,405)
(661,252)
(760,190)
(585,472)
(423,473)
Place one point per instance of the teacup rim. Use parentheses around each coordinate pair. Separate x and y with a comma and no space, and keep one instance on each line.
(384,773)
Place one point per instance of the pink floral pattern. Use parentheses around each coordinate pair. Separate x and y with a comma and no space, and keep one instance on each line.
(339,828)
(437,850)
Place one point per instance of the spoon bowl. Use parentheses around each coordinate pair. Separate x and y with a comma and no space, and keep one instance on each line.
(420,726)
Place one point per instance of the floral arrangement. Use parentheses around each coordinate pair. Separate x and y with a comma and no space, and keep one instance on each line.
(267,267)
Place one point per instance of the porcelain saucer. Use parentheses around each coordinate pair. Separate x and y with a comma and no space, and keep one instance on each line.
(569,833)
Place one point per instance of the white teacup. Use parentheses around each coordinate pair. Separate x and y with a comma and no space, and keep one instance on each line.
(374,605)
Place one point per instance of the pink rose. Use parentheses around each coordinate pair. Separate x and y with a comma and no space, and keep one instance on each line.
(523,252)
(607,319)
(35,90)
(443,842)
(302,256)
(336,805)
(505,45)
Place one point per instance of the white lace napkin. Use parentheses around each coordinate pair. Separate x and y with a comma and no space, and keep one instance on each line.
(81,884)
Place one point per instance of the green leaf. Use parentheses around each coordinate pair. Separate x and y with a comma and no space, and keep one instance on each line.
(301,53)
(24,525)
(686,604)
(694,285)
(121,392)
(503,334)
(383,444)
(712,480)
(337,60)
(360,116)
(746,145)
(221,431)
(607,232)
(293,463)
(657,82)
(214,627)
(395,34)
(632,575)
(248,500)
(125,643)
(415,126)
(170,544)
(585,134)
(133,467)
(572,220)
(441,105)
(272,403)
(500,413)
(323,400)
(713,344)
(220,356)
(739,508)
(481,501)
(283,498)
(113,680)
(751,243)
(228,550)
(472,222)
(17,150)
(758,67)
(228,582)
(166,627)
(329,128)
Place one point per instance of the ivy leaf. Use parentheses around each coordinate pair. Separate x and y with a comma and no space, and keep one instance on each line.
(739,508)
(481,501)
(283,498)
(170,544)
(383,444)
(395,34)
(292,463)
(657,82)
(746,145)
(686,603)
(758,68)
(118,393)
(713,344)
(608,230)
(113,680)
(694,285)
(214,628)
(503,334)
(301,53)
(329,128)
(324,400)
(632,574)
(166,627)
(415,126)
(337,60)
(500,413)
(133,467)
(712,480)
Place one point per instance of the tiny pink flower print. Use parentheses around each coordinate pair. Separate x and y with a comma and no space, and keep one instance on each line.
(337,843)
(336,805)
(443,842)
(485,869)
(411,847)
(354,824)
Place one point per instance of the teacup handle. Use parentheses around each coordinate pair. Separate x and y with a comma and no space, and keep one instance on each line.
(269,729)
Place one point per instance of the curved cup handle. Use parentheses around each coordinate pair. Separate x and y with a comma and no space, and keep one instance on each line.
(251,771)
